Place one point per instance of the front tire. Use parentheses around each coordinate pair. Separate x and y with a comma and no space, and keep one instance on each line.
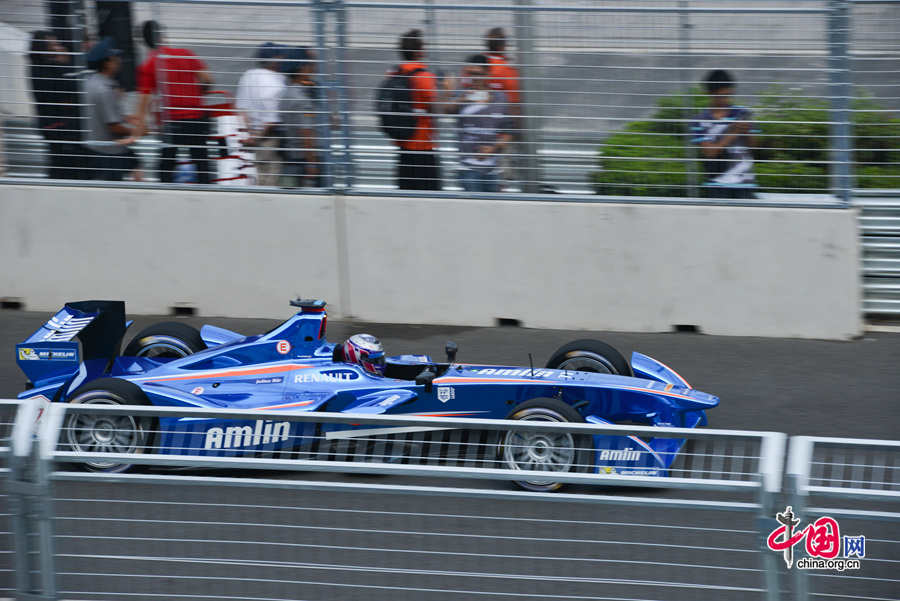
(103,433)
(546,451)
(591,356)
(165,340)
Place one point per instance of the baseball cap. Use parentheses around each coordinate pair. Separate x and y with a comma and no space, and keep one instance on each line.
(103,49)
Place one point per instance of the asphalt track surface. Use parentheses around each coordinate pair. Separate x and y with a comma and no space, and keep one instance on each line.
(355,545)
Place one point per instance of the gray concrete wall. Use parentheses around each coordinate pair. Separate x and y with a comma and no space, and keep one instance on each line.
(225,254)
(728,270)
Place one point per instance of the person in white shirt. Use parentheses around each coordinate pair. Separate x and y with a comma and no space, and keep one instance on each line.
(257,97)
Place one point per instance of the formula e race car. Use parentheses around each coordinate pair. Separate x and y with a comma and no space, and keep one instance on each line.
(293,367)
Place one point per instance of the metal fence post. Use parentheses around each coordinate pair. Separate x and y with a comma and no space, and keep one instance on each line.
(840,90)
(530,135)
(684,47)
(771,459)
(321,9)
(32,510)
(799,462)
(343,67)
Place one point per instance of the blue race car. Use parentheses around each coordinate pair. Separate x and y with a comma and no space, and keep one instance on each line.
(293,367)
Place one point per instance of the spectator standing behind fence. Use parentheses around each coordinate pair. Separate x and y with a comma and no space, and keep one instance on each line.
(108,134)
(418,165)
(724,133)
(54,85)
(483,124)
(502,76)
(179,79)
(297,109)
(258,93)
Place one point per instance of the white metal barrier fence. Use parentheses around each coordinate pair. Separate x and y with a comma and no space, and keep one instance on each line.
(434,530)
(857,483)
(601,97)
(7,416)
(442,526)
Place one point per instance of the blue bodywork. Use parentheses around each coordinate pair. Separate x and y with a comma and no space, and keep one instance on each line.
(292,368)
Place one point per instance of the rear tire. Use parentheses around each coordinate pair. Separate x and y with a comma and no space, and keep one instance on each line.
(591,356)
(99,433)
(546,451)
(166,340)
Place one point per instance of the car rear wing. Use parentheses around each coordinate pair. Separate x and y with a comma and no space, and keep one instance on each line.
(52,353)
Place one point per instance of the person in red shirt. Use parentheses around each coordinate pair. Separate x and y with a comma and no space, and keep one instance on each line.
(503,76)
(418,165)
(179,79)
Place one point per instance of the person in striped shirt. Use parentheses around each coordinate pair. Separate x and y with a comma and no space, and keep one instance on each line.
(725,134)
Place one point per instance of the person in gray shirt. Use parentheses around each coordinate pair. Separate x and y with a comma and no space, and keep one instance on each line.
(296,107)
(108,135)
(483,124)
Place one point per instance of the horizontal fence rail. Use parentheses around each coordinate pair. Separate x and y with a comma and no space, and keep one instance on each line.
(857,484)
(442,524)
(604,98)
(421,446)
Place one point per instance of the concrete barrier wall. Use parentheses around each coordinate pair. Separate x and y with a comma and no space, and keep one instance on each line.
(223,253)
(728,270)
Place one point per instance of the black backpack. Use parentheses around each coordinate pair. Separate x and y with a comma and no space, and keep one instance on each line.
(393,104)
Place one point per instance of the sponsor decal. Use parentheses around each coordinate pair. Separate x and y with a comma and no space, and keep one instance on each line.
(624,471)
(30,354)
(197,390)
(235,437)
(283,347)
(269,381)
(620,455)
(825,548)
(609,470)
(331,375)
(500,371)
(445,393)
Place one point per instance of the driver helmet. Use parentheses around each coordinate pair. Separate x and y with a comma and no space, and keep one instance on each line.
(365,350)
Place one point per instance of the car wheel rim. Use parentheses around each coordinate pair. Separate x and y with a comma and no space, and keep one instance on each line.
(588,362)
(163,347)
(539,451)
(101,433)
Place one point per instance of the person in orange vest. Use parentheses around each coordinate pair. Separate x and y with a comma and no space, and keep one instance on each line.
(418,165)
(502,75)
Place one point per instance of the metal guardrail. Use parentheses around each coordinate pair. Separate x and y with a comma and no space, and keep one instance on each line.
(7,548)
(433,531)
(276,528)
(879,225)
(856,482)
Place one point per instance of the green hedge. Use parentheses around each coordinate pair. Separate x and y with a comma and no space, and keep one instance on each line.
(793,153)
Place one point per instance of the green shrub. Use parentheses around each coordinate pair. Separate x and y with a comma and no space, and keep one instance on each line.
(792,155)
